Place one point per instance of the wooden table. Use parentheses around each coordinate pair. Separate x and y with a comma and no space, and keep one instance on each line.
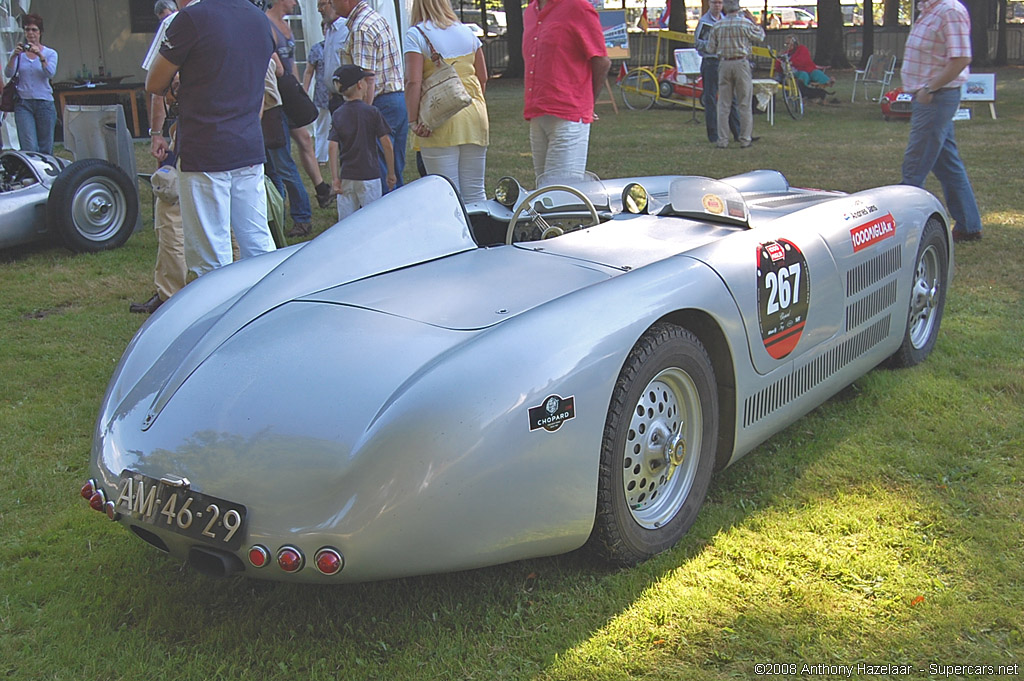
(81,95)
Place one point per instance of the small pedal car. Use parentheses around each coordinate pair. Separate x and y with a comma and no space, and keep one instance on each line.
(896,104)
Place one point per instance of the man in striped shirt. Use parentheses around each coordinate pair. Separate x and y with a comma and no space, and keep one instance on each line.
(935,65)
(730,40)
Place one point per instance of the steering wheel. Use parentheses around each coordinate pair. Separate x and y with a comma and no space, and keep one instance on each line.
(535,194)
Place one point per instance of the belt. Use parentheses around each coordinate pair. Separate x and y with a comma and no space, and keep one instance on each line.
(731,58)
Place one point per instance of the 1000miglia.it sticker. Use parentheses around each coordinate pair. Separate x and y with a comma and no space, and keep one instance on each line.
(783,296)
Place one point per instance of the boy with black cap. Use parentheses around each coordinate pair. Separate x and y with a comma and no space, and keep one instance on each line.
(356,128)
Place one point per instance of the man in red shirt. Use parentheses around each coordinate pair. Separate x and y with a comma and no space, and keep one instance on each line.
(566,66)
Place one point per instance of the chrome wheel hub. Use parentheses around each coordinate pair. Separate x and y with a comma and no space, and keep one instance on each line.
(924,297)
(659,461)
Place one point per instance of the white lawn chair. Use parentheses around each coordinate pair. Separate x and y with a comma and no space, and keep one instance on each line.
(879,70)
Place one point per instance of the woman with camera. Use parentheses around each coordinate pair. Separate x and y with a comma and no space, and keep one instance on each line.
(458,148)
(34,64)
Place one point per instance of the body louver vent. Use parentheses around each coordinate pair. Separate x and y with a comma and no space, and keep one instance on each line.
(867,273)
(785,390)
(867,307)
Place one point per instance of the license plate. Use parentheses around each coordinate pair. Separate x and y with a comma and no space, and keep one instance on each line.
(904,97)
(170,505)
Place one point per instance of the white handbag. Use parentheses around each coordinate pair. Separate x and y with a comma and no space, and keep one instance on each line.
(442,93)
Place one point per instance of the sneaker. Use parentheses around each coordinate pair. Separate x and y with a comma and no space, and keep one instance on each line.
(960,236)
(300,229)
(148,307)
(324,195)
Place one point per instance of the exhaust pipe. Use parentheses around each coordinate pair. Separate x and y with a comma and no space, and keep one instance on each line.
(213,563)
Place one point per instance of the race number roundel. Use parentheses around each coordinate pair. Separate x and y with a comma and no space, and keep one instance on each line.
(783,295)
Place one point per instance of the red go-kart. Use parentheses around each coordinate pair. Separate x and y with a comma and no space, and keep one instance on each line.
(896,104)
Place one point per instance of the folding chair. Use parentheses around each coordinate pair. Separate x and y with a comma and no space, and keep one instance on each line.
(879,70)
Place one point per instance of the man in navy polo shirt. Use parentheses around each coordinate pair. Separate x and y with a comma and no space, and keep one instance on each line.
(221,49)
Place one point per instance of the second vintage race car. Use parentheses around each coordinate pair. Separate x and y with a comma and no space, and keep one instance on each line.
(88,205)
(429,386)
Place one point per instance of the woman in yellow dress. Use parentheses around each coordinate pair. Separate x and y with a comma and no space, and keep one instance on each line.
(458,148)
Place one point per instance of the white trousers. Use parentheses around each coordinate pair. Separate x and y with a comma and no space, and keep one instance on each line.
(559,148)
(213,205)
(321,129)
(355,194)
(463,164)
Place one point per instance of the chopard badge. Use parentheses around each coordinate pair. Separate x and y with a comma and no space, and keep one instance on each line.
(553,413)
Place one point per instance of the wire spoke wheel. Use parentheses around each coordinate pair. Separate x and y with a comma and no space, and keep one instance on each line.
(639,89)
(791,96)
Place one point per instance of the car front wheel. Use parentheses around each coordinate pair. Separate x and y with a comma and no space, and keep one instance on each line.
(93,206)
(658,450)
(927,297)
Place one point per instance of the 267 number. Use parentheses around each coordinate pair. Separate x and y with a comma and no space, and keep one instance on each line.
(783,288)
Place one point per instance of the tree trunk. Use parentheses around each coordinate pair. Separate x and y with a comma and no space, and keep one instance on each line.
(677,17)
(830,50)
(1001,55)
(514,37)
(981,19)
(676,22)
(891,15)
(868,38)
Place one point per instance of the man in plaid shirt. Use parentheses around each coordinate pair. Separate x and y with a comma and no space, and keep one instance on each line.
(935,65)
(372,45)
(730,40)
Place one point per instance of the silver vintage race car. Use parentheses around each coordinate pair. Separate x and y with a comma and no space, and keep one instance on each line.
(90,205)
(431,387)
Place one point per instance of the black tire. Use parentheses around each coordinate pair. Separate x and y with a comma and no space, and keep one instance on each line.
(792,97)
(93,206)
(658,449)
(927,297)
(666,89)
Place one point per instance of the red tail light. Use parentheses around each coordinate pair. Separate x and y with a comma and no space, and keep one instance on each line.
(290,559)
(328,561)
(88,489)
(97,500)
(109,509)
(258,556)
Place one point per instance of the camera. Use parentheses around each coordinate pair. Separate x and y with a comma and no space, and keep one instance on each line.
(25,47)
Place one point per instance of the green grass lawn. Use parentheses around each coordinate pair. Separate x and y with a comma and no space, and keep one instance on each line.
(883,528)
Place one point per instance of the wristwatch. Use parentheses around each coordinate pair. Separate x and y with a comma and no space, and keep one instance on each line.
(153,132)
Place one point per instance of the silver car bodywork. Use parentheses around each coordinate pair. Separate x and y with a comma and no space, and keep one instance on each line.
(374,391)
(25,181)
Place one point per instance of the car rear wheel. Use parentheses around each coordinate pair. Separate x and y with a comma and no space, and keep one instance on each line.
(658,450)
(927,297)
(93,206)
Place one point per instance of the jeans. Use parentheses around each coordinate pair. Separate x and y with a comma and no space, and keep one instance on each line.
(559,148)
(392,107)
(932,148)
(709,100)
(35,119)
(285,176)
